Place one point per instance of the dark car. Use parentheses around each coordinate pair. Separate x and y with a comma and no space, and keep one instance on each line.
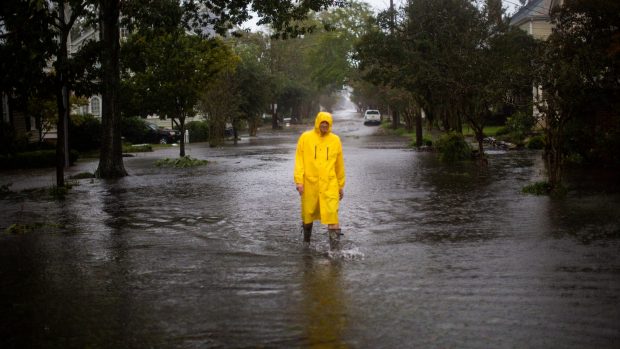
(154,134)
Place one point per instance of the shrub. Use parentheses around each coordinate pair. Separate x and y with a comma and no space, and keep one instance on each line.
(520,123)
(182,162)
(133,128)
(84,132)
(502,131)
(34,159)
(535,142)
(545,188)
(538,188)
(453,147)
(7,138)
(198,131)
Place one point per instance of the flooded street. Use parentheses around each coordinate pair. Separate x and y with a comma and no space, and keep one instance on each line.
(434,256)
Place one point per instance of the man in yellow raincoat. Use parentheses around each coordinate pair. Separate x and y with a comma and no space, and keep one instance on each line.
(319,177)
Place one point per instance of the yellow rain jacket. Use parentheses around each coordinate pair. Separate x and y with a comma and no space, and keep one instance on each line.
(319,166)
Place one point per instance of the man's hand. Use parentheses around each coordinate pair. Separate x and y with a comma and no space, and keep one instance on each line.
(341,192)
(300,188)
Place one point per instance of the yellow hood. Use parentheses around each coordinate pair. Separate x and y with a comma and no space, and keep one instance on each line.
(320,117)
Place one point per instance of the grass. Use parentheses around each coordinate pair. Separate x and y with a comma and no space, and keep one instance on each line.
(488,131)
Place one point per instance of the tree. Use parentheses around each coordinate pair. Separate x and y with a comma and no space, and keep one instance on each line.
(174,68)
(459,62)
(254,83)
(111,153)
(200,15)
(26,44)
(579,77)
(63,15)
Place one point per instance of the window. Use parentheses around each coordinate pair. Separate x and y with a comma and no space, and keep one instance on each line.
(95,106)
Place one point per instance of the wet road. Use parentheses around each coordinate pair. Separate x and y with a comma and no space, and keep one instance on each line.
(435,256)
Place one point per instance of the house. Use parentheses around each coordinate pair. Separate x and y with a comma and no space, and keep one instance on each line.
(534,17)
(80,35)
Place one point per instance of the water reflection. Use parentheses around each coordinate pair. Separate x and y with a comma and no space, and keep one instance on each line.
(324,303)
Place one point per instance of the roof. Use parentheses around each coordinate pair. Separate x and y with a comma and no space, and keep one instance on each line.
(533,10)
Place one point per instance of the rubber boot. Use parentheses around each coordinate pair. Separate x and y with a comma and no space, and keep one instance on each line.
(334,238)
(307,232)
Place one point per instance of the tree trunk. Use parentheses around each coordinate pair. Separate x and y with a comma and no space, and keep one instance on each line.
(395,119)
(111,155)
(274,117)
(418,129)
(62,102)
(553,160)
(252,126)
(182,126)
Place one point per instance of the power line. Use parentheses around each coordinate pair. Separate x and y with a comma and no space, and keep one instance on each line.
(532,8)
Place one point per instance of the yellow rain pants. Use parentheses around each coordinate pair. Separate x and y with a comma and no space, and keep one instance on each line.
(319,166)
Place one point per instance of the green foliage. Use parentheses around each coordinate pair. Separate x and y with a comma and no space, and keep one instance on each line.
(535,142)
(84,132)
(502,131)
(198,131)
(133,128)
(427,142)
(578,69)
(519,125)
(182,162)
(538,188)
(34,159)
(455,65)
(453,147)
(18,229)
(545,188)
(488,131)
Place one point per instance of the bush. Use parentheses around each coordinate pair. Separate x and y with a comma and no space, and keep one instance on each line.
(502,131)
(198,131)
(84,132)
(520,123)
(10,142)
(133,128)
(425,141)
(453,147)
(182,162)
(535,142)
(7,139)
(34,159)
(537,188)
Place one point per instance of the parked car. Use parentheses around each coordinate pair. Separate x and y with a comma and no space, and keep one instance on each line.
(154,134)
(372,117)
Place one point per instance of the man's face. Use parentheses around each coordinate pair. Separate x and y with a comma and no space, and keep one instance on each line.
(324,127)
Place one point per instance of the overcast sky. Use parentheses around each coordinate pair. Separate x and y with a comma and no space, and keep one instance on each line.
(380,5)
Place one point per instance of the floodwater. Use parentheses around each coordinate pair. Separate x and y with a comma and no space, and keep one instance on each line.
(434,255)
